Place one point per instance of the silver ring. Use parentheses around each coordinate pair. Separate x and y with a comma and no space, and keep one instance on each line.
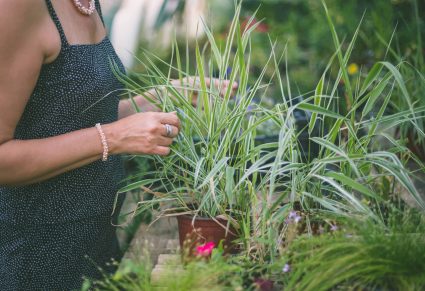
(168,130)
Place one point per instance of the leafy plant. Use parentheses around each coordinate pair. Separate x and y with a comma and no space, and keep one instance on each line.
(345,179)
(217,169)
(363,256)
(412,96)
(214,274)
(216,146)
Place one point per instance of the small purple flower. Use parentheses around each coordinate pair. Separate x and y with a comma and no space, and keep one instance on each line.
(334,227)
(286,268)
(250,108)
(292,214)
(228,72)
(293,217)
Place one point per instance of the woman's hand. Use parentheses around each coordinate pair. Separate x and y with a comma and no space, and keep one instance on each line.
(142,133)
(192,85)
(189,86)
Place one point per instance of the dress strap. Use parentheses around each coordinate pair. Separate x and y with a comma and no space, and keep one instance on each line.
(58,24)
(99,10)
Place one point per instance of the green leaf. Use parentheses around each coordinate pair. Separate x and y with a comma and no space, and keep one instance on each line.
(373,96)
(317,100)
(319,110)
(353,184)
(137,185)
(218,167)
(212,42)
(372,76)
(230,183)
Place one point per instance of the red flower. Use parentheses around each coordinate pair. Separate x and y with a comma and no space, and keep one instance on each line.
(205,249)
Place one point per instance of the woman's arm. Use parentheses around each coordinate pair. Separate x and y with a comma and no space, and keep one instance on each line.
(23,50)
(31,161)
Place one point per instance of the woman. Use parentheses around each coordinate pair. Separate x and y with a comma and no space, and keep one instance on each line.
(60,141)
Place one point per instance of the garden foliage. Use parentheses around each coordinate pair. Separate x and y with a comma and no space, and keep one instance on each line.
(273,192)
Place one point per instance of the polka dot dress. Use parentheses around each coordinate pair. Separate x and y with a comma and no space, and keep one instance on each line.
(55,232)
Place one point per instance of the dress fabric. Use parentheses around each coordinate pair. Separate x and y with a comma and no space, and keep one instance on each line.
(55,232)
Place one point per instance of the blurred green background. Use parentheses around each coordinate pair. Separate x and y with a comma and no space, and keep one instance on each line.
(390,30)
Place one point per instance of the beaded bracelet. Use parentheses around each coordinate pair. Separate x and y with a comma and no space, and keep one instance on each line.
(104,143)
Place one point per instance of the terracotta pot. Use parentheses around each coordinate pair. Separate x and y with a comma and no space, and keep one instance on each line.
(204,230)
(264,284)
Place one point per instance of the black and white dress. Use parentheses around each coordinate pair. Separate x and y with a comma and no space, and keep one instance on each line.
(54,233)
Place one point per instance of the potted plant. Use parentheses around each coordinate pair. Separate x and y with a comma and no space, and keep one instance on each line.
(211,176)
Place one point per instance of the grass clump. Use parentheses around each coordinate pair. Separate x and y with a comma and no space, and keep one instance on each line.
(363,256)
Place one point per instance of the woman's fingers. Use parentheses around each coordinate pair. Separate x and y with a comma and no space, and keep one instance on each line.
(165,141)
(170,118)
(217,82)
(161,151)
(223,85)
(174,132)
(168,130)
(208,82)
(234,85)
(225,88)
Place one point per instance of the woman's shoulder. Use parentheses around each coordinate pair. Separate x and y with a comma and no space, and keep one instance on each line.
(22,15)
(22,24)
(16,9)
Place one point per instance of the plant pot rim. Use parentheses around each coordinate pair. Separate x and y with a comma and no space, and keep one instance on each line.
(190,216)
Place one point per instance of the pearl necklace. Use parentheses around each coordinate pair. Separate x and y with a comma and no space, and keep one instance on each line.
(84,10)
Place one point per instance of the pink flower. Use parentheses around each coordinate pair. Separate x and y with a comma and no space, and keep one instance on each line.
(286,268)
(205,249)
